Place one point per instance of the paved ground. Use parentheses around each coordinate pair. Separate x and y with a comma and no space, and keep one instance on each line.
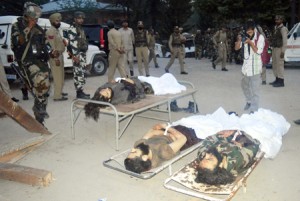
(77,164)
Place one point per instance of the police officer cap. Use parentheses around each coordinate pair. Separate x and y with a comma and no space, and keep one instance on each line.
(140,24)
(54,17)
(79,14)
(279,17)
(32,10)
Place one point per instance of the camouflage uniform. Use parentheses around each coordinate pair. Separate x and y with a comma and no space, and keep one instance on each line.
(77,47)
(198,45)
(34,62)
(238,157)
(209,45)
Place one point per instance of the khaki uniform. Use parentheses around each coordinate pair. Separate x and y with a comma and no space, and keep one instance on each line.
(177,50)
(55,40)
(220,40)
(142,51)
(116,54)
(4,86)
(128,41)
(152,55)
(277,62)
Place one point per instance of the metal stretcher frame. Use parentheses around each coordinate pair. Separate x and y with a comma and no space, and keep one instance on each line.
(130,110)
(171,184)
(116,162)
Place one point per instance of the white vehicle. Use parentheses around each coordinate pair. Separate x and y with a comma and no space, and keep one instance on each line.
(96,62)
(292,53)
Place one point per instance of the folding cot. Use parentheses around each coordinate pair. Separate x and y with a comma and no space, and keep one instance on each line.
(128,111)
(116,162)
(183,181)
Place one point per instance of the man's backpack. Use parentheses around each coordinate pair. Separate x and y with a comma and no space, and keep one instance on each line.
(265,56)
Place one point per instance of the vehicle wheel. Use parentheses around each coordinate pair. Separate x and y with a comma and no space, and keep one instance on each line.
(99,65)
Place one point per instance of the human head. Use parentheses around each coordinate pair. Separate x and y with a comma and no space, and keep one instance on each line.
(92,109)
(125,23)
(31,10)
(250,28)
(140,25)
(176,29)
(79,17)
(55,19)
(110,24)
(209,170)
(279,19)
(138,160)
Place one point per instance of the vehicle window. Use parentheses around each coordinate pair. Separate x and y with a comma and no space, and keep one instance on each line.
(189,43)
(92,33)
(3,34)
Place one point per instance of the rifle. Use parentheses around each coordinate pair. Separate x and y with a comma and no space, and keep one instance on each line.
(21,72)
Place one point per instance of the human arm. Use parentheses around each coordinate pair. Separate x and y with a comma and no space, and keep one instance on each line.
(284,33)
(238,43)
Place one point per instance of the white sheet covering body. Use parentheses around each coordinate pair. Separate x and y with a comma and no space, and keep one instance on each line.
(264,125)
(166,84)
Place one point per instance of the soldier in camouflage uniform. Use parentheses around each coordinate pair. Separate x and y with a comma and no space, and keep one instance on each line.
(28,45)
(77,47)
(223,156)
(209,45)
(198,41)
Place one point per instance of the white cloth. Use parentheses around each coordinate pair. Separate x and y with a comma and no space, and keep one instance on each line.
(264,125)
(252,61)
(166,84)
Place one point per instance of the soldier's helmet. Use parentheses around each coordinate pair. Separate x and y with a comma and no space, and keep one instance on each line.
(140,24)
(79,14)
(32,10)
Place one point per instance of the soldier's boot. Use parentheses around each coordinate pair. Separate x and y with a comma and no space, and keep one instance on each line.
(82,95)
(191,108)
(131,73)
(275,81)
(39,110)
(25,93)
(279,83)
(174,107)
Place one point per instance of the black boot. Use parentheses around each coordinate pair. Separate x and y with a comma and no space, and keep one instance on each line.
(131,73)
(39,110)
(25,93)
(191,108)
(275,81)
(279,83)
(82,95)
(174,107)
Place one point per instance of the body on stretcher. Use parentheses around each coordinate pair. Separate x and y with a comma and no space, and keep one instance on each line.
(116,162)
(128,111)
(182,181)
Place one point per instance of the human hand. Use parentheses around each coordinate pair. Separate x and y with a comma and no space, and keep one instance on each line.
(225,133)
(31,22)
(75,60)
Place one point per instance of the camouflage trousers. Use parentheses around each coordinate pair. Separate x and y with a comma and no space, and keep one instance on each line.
(198,51)
(38,76)
(78,72)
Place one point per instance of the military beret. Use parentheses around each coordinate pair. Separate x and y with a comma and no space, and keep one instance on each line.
(54,17)
(78,14)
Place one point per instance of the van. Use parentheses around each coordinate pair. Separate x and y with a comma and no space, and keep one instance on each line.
(292,53)
(96,61)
